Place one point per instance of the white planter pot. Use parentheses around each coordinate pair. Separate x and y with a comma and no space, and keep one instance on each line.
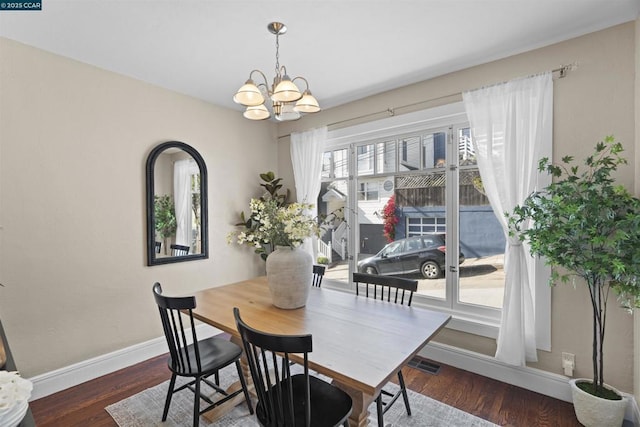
(289,274)
(593,411)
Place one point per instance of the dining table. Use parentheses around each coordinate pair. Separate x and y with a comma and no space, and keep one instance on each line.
(358,342)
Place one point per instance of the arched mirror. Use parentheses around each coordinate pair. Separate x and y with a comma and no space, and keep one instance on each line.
(176,204)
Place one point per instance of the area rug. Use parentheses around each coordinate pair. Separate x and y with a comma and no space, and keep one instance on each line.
(145,410)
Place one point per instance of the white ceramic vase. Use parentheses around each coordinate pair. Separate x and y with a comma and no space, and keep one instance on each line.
(593,411)
(289,274)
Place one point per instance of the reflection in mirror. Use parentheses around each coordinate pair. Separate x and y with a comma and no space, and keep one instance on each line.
(176,204)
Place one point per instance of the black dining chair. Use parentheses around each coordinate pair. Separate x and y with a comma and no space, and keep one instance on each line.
(158,246)
(198,360)
(318,273)
(179,250)
(399,291)
(286,399)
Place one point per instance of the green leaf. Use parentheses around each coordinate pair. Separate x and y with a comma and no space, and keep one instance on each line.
(267,176)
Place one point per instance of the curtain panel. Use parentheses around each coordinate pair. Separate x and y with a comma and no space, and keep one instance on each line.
(511,128)
(182,171)
(306,158)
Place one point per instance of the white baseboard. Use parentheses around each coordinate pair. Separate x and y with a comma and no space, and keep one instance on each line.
(543,382)
(78,373)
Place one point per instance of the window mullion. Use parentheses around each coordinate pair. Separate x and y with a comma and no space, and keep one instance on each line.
(352,200)
(452,219)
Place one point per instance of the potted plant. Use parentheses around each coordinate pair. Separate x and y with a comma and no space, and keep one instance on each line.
(283,228)
(250,224)
(586,226)
(164,218)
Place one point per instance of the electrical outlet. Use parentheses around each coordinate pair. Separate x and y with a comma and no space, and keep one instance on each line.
(568,359)
(568,363)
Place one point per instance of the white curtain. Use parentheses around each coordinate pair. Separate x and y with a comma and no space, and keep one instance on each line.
(511,125)
(306,157)
(182,171)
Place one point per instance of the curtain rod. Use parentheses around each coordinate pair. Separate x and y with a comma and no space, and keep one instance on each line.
(563,70)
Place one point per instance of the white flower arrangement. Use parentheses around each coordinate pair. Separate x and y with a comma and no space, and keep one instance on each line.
(273,224)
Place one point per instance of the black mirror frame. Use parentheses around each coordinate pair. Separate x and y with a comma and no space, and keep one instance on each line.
(204,229)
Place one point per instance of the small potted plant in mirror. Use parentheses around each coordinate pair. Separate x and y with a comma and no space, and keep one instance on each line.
(164,219)
(587,228)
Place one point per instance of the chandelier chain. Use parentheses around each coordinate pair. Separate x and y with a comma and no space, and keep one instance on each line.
(277,56)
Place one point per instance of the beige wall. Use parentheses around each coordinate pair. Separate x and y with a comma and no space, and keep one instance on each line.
(595,100)
(73,145)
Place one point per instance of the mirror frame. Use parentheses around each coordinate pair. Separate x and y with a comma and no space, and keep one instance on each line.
(204,220)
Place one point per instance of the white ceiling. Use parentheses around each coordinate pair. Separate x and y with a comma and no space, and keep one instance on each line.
(347,49)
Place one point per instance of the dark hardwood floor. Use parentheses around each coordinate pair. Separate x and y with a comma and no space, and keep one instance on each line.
(500,403)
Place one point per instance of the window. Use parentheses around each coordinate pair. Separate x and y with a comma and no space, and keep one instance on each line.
(327,164)
(335,164)
(438,190)
(366,158)
(385,157)
(434,150)
(425,225)
(368,191)
(433,176)
(393,248)
(414,244)
(422,183)
(410,149)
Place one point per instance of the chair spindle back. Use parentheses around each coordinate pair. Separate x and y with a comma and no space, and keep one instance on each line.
(389,288)
(269,363)
(171,312)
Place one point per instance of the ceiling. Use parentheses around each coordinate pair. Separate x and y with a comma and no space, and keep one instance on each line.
(346,49)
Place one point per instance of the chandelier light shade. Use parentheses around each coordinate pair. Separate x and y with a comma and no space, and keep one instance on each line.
(249,94)
(286,91)
(287,101)
(256,112)
(307,104)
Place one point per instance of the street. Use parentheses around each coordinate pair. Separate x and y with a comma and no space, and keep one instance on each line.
(481,281)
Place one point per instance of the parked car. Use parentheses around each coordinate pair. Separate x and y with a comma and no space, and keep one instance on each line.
(424,254)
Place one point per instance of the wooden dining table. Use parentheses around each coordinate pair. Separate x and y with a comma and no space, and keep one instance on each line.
(360,343)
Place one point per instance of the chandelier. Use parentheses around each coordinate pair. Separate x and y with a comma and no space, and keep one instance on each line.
(287,102)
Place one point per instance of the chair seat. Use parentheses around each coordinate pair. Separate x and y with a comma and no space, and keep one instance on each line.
(329,404)
(215,353)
